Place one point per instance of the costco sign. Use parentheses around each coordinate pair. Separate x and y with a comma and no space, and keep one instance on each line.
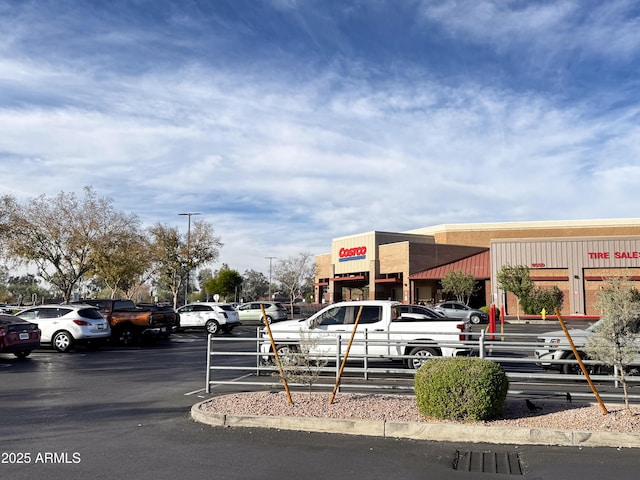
(357,253)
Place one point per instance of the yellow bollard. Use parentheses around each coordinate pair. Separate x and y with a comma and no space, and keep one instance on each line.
(544,314)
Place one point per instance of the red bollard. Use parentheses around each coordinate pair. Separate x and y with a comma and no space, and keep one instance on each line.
(492,320)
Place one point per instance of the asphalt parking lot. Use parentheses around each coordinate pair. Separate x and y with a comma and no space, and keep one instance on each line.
(124,413)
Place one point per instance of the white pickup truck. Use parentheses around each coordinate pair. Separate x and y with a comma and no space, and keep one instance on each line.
(388,334)
(554,346)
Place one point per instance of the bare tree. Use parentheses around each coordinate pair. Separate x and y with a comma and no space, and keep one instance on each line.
(300,365)
(295,274)
(61,235)
(176,256)
(615,338)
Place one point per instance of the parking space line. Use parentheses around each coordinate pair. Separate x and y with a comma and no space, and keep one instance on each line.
(194,392)
(215,386)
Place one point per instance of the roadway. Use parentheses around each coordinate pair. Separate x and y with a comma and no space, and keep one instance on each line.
(124,413)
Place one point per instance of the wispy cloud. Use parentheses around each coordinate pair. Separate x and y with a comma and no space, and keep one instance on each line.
(284,139)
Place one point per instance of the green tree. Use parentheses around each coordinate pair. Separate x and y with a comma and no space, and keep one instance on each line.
(615,338)
(204,274)
(122,260)
(226,283)
(5,296)
(515,279)
(176,255)
(25,289)
(460,284)
(255,286)
(539,298)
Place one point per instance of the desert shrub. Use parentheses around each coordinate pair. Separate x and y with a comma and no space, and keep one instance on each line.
(299,365)
(496,311)
(461,388)
(539,298)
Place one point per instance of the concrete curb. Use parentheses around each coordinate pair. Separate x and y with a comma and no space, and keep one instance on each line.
(445,432)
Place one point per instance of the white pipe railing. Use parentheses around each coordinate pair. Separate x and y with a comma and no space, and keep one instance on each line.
(373,371)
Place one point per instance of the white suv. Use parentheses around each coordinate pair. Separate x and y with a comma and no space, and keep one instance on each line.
(212,316)
(65,325)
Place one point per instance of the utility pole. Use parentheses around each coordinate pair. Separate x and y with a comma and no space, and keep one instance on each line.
(270,258)
(186,288)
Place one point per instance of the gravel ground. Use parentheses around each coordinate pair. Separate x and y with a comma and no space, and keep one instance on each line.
(551,415)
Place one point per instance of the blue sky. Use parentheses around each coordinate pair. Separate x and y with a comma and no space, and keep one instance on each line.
(287,123)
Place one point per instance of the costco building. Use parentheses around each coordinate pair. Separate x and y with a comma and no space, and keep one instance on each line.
(407,266)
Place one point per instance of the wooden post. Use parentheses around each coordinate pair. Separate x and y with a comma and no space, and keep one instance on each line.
(275,354)
(346,354)
(582,367)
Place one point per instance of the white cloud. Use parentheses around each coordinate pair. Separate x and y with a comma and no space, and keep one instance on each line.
(562,28)
(282,160)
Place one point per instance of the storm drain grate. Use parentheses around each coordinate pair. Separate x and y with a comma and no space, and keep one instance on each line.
(488,462)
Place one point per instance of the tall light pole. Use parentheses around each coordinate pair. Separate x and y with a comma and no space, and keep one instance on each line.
(270,258)
(186,288)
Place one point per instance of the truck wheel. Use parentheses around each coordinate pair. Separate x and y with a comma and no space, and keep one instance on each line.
(287,354)
(212,327)
(22,354)
(62,341)
(125,336)
(419,355)
(574,368)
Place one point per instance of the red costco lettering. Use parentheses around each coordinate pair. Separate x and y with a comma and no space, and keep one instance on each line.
(352,252)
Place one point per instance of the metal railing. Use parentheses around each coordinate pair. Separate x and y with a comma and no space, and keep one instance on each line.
(235,360)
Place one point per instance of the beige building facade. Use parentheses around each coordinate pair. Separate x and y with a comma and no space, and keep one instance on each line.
(407,266)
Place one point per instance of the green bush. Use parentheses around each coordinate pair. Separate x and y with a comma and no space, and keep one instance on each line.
(461,388)
(539,298)
(496,310)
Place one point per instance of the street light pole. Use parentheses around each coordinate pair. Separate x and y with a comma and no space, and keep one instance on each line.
(270,258)
(186,288)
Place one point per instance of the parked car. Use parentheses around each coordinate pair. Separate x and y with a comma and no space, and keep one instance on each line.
(66,325)
(211,316)
(380,322)
(421,312)
(251,311)
(131,323)
(18,336)
(4,308)
(554,345)
(460,310)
